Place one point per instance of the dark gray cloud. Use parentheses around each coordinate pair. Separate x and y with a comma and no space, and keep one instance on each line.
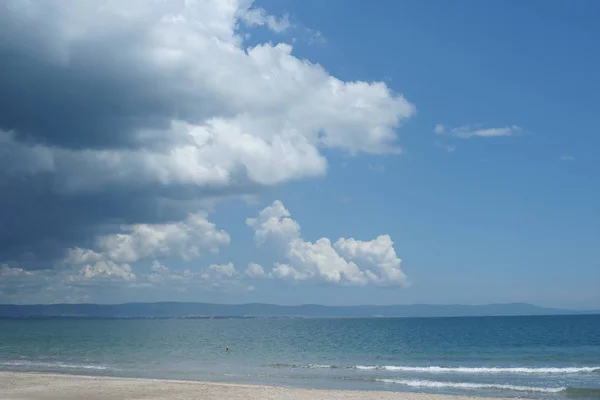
(92,89)
(141,112)
(37,224)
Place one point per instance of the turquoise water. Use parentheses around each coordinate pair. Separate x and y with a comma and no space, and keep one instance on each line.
(533,357)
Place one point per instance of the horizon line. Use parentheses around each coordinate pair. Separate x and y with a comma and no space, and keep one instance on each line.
(306,305)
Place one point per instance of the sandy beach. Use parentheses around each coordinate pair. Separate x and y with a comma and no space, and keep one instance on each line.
(23,386)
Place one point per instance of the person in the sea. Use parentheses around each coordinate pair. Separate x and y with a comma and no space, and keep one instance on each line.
(226,349)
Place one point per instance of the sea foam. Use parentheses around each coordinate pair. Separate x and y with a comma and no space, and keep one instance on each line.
(485,370)
(40,364)
(467,385)
(455,370)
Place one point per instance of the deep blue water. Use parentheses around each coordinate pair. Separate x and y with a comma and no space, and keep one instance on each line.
(553,357)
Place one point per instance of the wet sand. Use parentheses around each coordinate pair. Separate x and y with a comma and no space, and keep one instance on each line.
(25,386)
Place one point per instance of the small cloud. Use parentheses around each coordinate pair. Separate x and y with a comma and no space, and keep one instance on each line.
(255,271)
(567,157)
(469,131)
(346,199)
(259,17)
(315,37)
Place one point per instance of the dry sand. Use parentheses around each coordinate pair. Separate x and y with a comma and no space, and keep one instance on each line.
(22,386)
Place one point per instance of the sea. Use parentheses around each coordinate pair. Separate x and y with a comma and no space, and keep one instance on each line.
(542,357)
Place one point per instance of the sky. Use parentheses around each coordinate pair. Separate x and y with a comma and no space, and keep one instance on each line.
(292,152)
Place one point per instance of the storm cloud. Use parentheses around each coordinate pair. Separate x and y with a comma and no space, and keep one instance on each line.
(123,113)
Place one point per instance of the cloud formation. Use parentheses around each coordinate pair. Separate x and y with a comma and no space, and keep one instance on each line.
(186,240)
(345,262)
(104,270)
(470,131)
(85,273)
(93,281)
(127,113)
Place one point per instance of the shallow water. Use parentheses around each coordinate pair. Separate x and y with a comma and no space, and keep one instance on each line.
(553,357)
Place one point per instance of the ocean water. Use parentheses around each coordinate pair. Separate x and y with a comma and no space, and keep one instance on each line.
(555,357)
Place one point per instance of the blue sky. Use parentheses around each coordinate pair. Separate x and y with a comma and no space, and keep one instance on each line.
(474,218)
(497,219)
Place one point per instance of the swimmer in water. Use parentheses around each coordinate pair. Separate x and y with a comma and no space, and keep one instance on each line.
(226,349)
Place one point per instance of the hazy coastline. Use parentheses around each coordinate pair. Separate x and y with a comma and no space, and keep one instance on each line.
(259,310)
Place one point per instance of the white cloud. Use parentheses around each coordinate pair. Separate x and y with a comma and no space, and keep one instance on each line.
(274,223)
(469,131)
(258,17)
(227,113)
(378,255)
(347,261)
(159,98)
(87,281)
(567,157)
(255,271)
(284,271)
(158,268)
(222,277)
(439,129)
(81,256)
(315,37)
(160,273)
(220,270)
(103,270)
(215,276)
(187,240)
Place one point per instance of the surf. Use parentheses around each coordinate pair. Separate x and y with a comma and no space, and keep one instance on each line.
(455,370)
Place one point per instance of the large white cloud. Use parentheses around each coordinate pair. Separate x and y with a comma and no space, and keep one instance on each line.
(132,113)
(186,240)
(347,261)
(200,107)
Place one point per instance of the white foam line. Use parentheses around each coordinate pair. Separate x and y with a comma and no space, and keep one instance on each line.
(465,385)
(34,364)
(484,370)
(460,370)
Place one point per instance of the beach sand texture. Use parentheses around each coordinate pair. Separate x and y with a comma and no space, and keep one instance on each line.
(23,386)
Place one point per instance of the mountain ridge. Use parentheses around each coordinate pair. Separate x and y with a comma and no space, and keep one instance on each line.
(250,310)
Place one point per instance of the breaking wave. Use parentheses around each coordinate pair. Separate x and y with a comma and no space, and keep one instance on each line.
(474,386)
(456,370)
(51,365)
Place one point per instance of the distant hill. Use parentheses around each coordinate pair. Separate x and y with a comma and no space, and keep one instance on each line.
(204,310)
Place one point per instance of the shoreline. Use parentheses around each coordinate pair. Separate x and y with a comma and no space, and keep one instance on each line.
(44,386)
